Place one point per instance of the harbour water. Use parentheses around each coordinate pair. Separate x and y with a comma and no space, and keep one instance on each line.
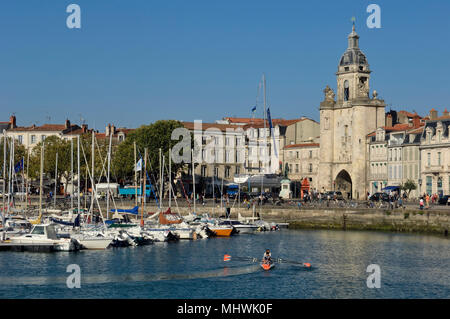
(412,266)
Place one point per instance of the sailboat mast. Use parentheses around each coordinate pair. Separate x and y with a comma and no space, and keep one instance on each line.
(160,181)
(109,168)
(92,176)
(78,174)
(135,176)
(264,145)
(71,174)
(41,187)
(144,193)
(4,184)
(193,179)
(56,181)
(170,177)
(26,183)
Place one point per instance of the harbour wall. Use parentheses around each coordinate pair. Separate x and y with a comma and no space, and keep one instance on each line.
(399,220)
(433,221)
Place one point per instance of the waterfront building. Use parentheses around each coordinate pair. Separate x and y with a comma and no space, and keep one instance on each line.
(393,154)
(30,136)
(302,161)
(435,155)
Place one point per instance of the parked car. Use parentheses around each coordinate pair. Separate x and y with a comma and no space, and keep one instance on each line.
(444,200)
(379,196)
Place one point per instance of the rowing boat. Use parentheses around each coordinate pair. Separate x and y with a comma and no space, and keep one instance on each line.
(267,265)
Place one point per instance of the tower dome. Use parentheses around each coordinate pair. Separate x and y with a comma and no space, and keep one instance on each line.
(353,55)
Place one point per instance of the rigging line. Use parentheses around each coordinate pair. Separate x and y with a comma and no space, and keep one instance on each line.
(94,190)
(149,179)
(151,184)
(171,188)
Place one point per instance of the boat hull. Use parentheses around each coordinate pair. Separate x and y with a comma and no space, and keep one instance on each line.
(222,232)
(267,266)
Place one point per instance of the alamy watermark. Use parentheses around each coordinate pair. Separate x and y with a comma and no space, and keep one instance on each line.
(374,279)
(257,145)
(74,279)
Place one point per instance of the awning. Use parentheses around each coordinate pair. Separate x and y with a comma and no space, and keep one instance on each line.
(390,188)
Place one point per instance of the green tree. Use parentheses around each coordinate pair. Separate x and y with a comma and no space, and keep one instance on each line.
(19,153)
(153,137)
(409,186)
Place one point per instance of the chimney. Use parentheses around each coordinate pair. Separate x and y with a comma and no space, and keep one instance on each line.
(445,113)
(416,120)
(12,121)
(67,124)
(433,114)
(113,129)
(389,120)
(108,129)
(83,128)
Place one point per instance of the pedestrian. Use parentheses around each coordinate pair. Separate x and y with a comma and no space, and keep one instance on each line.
(427,200)
(421,203)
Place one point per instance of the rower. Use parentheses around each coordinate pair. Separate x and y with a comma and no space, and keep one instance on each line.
(267,258)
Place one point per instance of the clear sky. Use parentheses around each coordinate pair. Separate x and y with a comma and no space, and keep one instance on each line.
(136,61)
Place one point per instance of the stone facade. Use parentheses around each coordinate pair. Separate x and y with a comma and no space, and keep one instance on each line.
(303,162)
(435,157)
(345,124)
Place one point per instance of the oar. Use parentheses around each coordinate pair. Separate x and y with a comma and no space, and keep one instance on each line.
(281,261)
(250,259)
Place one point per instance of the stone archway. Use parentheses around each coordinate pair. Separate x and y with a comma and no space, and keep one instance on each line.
(343,183)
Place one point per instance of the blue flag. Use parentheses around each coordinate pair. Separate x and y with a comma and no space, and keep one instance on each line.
(19,166)
(271,131)
(254,109)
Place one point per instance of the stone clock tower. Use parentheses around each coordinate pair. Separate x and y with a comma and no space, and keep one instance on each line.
(345,121)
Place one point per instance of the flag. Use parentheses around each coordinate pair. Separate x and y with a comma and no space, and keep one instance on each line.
(254,109)
(138,167)
(19,166)
(271,131)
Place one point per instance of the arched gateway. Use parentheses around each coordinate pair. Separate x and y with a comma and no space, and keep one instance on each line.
(343,183)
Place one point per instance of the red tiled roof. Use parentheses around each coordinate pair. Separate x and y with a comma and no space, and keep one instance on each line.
(408,114)
(302,145)
(205,126)
(45,127)
(259,122)
(397,128)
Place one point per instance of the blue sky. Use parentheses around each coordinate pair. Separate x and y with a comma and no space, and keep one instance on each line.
(134,62)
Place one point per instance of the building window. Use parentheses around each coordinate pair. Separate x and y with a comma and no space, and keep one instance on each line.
(43,138)
(428,159)
(20,139)
(439,158)
(310,169)
(227,156)
(310,154)
(238,170)
(203,171)
(429,185)
(296,168)
(216,171)
(227,172)
(346,91)
(297,155)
